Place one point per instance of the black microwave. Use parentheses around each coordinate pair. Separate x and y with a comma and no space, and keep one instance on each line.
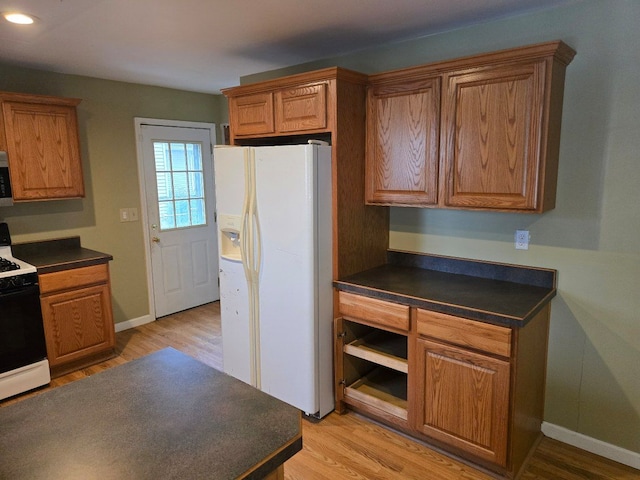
(6,198)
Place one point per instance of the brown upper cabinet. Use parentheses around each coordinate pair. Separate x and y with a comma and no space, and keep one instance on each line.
(480,132)
(403,133)
(281,111)
(40,135)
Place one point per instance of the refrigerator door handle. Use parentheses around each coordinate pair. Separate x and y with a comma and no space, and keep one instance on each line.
(247,254)
(245,227)
(254,267)
(257,242)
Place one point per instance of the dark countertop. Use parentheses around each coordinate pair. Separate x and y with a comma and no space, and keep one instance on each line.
(165,416)
(496,293)
(58,254)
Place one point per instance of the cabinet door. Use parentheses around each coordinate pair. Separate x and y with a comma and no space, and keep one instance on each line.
(462,399)
(78,323)
(492,136)
(403,125)
(252,114)
(301,108)
(43,150)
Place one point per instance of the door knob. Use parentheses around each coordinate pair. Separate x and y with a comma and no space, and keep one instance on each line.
(155,240)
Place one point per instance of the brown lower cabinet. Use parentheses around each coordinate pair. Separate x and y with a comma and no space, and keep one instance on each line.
(463,399)
(77,316)
(474,389)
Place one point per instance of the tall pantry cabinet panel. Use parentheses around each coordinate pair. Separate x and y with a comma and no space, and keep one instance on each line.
(403,129)
(40,136)
(327,104)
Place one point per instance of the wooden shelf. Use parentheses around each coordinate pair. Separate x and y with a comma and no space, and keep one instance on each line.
(383,389)
(382,348)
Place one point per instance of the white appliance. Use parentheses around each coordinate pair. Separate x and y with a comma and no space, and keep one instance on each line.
(275,242)
(23,352)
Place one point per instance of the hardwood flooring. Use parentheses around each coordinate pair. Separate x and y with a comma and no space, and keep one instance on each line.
(348,446)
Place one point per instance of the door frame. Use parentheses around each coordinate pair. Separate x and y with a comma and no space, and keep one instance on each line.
(138,123)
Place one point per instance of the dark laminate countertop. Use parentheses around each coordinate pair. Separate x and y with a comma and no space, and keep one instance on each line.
(490,292)
(58,254)
(163,416)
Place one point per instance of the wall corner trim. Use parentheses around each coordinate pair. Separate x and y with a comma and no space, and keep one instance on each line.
(598,447)
(133,323)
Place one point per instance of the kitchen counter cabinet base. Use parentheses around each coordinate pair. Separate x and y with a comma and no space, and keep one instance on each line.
(473,389)
(122,423)
(77,316)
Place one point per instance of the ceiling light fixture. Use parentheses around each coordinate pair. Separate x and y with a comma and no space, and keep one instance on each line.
(19,18)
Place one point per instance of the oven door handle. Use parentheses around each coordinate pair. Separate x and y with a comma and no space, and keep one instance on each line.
(20,290)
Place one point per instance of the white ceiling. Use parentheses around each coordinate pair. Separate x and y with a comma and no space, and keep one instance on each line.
(206,45)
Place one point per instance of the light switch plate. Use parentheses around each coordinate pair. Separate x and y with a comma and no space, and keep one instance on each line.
(129,214)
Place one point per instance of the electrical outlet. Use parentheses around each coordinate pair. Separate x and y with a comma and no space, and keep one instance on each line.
(522,239)
(124,214)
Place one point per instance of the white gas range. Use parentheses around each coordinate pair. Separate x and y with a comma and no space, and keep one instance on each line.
(23,352)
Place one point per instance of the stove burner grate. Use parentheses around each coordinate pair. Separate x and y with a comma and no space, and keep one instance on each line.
(8,265)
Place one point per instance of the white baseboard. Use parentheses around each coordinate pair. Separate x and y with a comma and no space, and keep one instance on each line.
(134,322)
(607,450)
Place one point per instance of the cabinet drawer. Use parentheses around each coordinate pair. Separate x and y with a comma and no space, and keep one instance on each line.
(466,333)
(73,278)
(377,312)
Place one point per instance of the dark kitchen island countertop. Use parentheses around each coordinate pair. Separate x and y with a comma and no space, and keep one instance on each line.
(163,416)
(497,293)
(58,254)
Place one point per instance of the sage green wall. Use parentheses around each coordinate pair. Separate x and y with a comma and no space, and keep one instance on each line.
(108,149)
(592,237)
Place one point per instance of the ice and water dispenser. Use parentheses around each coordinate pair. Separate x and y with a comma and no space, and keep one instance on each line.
(230,226)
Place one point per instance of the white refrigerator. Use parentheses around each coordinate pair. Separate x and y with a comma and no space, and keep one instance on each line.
(275,242)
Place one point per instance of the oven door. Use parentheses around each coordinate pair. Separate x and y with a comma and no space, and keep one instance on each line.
(21,330)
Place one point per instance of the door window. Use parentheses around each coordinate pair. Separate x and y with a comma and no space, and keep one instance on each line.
(180,180)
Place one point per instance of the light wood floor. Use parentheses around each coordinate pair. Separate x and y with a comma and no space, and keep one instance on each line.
(343,446)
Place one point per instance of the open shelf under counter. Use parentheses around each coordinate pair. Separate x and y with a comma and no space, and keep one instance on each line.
(382,348)
(383,389)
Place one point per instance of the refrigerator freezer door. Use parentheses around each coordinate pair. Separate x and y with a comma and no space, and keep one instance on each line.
(228,163)
(234,312)
(234,299)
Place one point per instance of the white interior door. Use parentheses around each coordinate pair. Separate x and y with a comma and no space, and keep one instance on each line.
(180,220)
